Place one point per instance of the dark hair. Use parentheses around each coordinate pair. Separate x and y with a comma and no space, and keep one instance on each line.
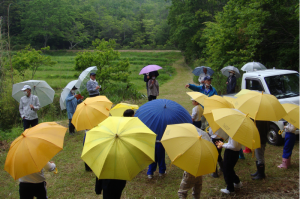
(128,113)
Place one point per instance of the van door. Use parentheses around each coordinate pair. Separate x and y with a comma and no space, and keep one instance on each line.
(254,84)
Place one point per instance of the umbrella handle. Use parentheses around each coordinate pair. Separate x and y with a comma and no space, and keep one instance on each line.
(56,171)
(280,132)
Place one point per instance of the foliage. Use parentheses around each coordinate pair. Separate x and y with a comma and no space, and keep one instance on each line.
(104,57)
(30,59)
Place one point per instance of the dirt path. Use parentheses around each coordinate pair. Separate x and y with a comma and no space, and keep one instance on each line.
(174,89)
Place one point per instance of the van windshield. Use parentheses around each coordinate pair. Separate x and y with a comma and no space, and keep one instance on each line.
(283,86)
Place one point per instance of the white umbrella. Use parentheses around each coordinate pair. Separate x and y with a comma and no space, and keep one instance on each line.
(66,92)
(84,77)
(225,71)
(252,66)
(40,88)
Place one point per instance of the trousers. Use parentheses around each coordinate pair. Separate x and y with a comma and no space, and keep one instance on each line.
(30,190)
(197,124)
(260,154)
(159,160)
(289,142)
(71,126)
(230,159)
(189,181)
(151,97)
(28,123)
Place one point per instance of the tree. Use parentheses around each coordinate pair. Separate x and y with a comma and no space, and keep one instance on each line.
(110,66)
(30,59)
(76,34)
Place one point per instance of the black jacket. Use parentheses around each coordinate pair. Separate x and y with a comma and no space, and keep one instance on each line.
(231,85)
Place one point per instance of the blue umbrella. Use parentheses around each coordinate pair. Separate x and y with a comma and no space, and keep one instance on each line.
(157,114)
(198,70)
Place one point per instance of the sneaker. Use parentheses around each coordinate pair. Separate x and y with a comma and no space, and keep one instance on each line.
(225,191)
(238,185)
(162,174)
(150,176)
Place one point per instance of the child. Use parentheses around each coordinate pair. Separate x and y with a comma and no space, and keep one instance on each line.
(153,88)
(219,135)
(197,113)
(34,185)
(231,156)
(289,140)
(112,188)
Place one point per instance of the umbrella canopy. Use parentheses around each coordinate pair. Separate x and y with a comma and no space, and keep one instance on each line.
(149,68)
(197,96)
(157,114)
(31,151)
(253,66)
(292,114)
(119,109)
(198,70)
(84,77)
(119,148)
(244,91)
(40,88)
(66,91)
(188,150)
(91,112)
(214,102)
(225,71)
(260,106)
(238,126)
(229,99)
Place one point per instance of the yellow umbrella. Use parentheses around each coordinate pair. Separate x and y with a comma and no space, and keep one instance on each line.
(198,97)
(292,114)
(119,148)
(119,109)
(31,151)
(260,106)
(244,91)
(91,112)
(214,102)
(230,100)
(238,126)
(188,150)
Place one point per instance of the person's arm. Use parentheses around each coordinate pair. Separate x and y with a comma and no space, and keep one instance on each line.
(21,109)
(50,166)
(231,144)
(195,88)
(37,104)
(290,128)
(70,97)
(214,92)
(90,87)
(194,113)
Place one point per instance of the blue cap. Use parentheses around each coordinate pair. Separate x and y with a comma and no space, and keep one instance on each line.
(207,78)
(92,74)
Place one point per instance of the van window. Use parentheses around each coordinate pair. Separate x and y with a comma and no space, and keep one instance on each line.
(252,84)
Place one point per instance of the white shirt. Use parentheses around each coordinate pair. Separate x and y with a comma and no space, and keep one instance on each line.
(197,113)
(39,176)
(219,134)
(290,128)
(232,145)
(201,77)
(24,107)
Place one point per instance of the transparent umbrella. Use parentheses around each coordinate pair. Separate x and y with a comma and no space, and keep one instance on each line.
(84,77)
(252,66)
(66,91)
(225,71)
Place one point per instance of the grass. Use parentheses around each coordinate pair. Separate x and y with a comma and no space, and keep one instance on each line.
(73,182)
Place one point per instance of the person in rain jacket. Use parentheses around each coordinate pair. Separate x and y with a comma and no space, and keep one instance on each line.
(231,82)
(71,104)
(290,138)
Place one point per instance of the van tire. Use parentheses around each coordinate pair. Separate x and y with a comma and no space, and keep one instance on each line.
(273,137)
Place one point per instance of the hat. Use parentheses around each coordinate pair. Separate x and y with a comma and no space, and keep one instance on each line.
(92,74)
(74,88)
(25,87)
(207,78)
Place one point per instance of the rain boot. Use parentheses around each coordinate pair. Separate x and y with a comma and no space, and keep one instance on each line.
(261,172)
(247,150)
(256,173)
(241,154)
(289,161)
(284,163)
(221,165)
(215,174)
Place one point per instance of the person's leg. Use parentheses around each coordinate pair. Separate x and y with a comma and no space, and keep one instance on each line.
(41,191)
(230,159)
(161,158)
(154,97)
(152,167)
(197,124)
(241,154)
(116,188)
(98,186)
(260,156)
(26,190)
(34,122)
(203,120)
(197,187)
(185,185)
(26,124)
(235,158)
(149,98)
(71,130)
(290,139)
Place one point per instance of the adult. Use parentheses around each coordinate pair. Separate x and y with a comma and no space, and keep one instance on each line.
(206,89)
(263,128)
(92,86)
(71,104)
(29,105)
(34,185)
(202,76)
(148,76)
(231,82)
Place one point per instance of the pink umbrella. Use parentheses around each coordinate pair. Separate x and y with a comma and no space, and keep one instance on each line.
(149,68)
